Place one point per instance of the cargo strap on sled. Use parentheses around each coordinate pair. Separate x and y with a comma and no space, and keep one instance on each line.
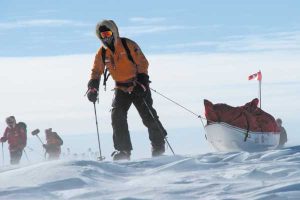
(247,133)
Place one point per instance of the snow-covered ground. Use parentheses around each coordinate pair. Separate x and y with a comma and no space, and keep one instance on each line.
(265,175)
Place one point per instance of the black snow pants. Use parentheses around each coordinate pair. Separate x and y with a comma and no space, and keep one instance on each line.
(120,106)
(15,156)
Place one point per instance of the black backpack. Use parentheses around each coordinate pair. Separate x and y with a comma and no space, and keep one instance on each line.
(22,125)
(129,56)
(61,142)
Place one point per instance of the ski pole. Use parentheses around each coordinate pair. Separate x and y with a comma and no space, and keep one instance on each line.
(2,154)
(26,155)
(100,158)
(158,125)
(40,139)
(36,132)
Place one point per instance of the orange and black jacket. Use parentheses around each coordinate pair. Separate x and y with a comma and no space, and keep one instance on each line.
(118,64)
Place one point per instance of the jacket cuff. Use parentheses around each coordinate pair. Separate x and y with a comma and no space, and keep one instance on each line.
(94,83)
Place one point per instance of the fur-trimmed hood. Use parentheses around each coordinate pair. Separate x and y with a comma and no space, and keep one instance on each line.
(110,24)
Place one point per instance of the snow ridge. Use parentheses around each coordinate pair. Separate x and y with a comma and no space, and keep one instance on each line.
(240,175)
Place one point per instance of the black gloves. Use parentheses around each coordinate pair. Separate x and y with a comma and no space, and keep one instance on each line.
(93,86)
(142,86)
(143,79)
(3,139)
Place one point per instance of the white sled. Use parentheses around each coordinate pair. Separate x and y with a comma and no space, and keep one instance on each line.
(225,137)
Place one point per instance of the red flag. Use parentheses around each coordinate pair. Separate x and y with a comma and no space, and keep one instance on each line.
(257,76)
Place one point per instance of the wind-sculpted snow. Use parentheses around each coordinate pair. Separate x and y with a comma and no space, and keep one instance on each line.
(241,175)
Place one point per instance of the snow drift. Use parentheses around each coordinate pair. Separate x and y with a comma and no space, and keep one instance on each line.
(267,175)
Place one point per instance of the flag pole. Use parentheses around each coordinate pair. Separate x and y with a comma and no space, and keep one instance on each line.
(259,89)
(257,76)
(259,94)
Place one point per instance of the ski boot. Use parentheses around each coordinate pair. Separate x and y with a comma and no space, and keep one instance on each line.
(121,155)
(158,150)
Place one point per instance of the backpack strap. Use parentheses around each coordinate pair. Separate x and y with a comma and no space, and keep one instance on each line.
(123,40)
(23,126)
(103,53)
(106,76)
(106,73)
(60,141)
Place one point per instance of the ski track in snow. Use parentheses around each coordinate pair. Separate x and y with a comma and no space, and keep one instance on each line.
(241,175)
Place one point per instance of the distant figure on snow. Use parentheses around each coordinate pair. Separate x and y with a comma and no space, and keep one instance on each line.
(15,135)
(90,154)
(53,145)
(128,66)
(283,135)
(68,152)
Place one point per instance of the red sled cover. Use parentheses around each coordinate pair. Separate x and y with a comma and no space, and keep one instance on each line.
(248,117)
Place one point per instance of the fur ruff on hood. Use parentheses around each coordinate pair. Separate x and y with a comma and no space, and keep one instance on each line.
(111,25)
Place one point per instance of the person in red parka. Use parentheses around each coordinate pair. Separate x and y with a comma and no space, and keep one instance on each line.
(15,135)
(53,144)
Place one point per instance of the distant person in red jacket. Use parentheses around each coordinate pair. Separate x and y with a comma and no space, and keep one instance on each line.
(283,135)
(53,144)
(15,135)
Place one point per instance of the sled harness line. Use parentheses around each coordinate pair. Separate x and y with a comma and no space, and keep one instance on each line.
(198,116)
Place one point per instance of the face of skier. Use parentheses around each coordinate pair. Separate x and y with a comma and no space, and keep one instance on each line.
(48,132)
(106,35)
(11,122)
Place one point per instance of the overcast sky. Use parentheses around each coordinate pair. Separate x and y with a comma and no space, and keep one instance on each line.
(57,27)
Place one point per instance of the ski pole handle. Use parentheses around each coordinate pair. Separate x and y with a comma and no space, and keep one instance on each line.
(35,132)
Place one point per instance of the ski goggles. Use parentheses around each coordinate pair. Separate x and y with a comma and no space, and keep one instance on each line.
(106,34)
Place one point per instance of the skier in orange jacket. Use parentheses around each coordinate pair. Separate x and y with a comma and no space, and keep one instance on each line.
(129,68)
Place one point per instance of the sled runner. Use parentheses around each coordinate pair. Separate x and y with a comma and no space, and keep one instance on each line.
(225,137)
